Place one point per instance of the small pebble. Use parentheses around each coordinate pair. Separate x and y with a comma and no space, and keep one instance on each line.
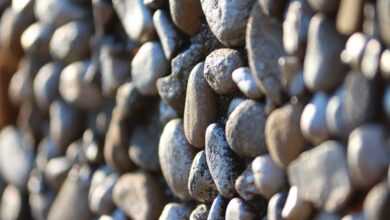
(218,208)
(335,115)
(275,206)
(354,49)
(175,211)
(246,83)
(238,210)
(186,15)
(199,213)
(295,208)
(377,202)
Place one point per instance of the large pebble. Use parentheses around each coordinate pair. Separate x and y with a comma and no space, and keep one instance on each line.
(186,15)
(139,195)
(200,108)
(218,208)
(175,211)
(199,213)
(147,66)
(245,129)
(176,155)
(218,68)
(228,19)
(35,40)
(327,164)
(237,209)
(246,83)
(283,134)
(222,161)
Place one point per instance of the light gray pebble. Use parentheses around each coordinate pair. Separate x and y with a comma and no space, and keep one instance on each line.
(246,83)
(175,211)
(56,171)
(335,115)
(237,209)
(295,208)
(275,206)
(100,192)
(245,184)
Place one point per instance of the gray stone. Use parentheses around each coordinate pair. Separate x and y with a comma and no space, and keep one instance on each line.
(223,164)
(100,192)
(186,15)
(233,104)
(56,172)
(327,164)
(326,6)
(335,115)
(320,55)
(139,195)
(326,216)
(199,213)
(35,40)
(275,206)
(355,216)
(200,108)
(237,209)
(295,208)
(228,19)
(377,202)
(245,184)
(155,4)
(218,68)
(245,129)
(371,58)
(166,112)
(218,208)
(246,83)
(200,183)
(176,155)
(21,85)
(385,63)
(354,49)
(14,204)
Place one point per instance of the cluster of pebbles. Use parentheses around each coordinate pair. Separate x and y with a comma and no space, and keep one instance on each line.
(197,109)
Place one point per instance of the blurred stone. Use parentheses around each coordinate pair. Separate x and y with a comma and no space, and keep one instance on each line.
(218,208)
(35,40)
(295,208)
(377,202)
(237,209)
(326,6)
(371,59)
(275,206)
(199,213)
(354,49)
(56,172)
(335,115)
(349,16)
(186,15)
(383,10)
(14,204)
(100,192)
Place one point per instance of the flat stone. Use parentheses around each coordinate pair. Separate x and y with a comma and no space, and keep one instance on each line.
(223,163)
(176,155)
(327,164)
(139,195)
(218,208)
(186,15)
(237,209)
(295,208)
(228,19)
(283,134)
(246,83)
(245,129)
(174,211)
(199,213)
(200,108)
(377,202)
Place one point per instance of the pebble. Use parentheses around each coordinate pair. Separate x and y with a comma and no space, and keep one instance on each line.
(76,90)
(384,63)
(176,156)
(233,104)
(313,119)
(21,85)
(349,16)
(155,4)
(354,216)
(326,216)
(46,150)
(237,209)
(384,20)
(283,134)
(200,183)
(264,45)
(187,15)
(275,206)
(65,124)
(223,163)
(169,37)
(136,19)
(367,155)
(228,19)
(218,208)
(377,202)
(295,208)
(139,195)
(72,200)
(245,185)
(100,192)
(325,6)
(16,157)
(320,55)
(70,42)
(335,115)
(245,129)
(56,172)
(46,84)
(327,164)
(166,112)
(199,213)
(371,59)
(246,83)
(147,66)
(129,102)
(354,49)
(200,108)
(35,40)
(218,68)
(14,205)
(269,178)
(174,211)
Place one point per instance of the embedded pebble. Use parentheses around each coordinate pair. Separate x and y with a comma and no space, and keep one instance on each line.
(245,184)
(335,115)
(238,210)
(186,15)
(246,83)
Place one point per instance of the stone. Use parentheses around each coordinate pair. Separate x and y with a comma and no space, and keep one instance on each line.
(200,183)
(16,157)
(237,209)
(200,108)
(246,83)
(136,19)
(186,15)
(320,55)
(377,202)
(35,40)
(233,104)
(129,102)
(46,84)
(354,49)
(371,59)
(354,216)
(295,208)
(72,200)
(56,172)
(199,213)
(147,66)
(218,68)
(70,42)
(218,208)
(313,119)
(228,19)
(245,185)
(367,156)
(273,8)
(155,4)
(66,124)
(335,115)
(169,37)
(14,205)
(325,6)
(275,206)
(326,216)
(245,129)
(264,45)
(349,16)
(384,64)
(327,164)
(76,90)
(268,177)
(174,211)
(100,192)
(176,155)
(139,195)
(283,134)
(384,20)
(166,113)
(223,163)
(46,150)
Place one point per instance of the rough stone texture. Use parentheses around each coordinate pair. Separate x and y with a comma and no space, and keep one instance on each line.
(283,135)
(237,209)
(186,15)
(200,108)
(245,129)
(327,164)
(174,211)
(200,183)
(176,155)
(139,195)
